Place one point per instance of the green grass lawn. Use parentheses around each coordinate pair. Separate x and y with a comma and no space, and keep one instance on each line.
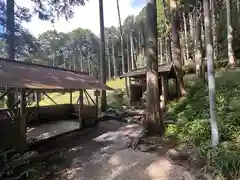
(65,98)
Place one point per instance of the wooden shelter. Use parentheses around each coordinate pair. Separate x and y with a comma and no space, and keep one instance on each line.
(138,81)
(23,79)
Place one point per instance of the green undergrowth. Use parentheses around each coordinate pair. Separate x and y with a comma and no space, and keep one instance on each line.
(193,128)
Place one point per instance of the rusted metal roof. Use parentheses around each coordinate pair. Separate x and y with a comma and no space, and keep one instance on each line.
(165,68)
(16,74)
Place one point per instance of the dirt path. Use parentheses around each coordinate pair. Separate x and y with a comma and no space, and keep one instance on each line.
(102,156)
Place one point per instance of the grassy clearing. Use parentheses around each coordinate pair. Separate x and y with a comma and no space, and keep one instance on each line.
(193,128)
(117,84)
(113,98)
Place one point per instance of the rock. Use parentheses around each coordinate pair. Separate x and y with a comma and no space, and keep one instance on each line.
(128,119)
(177,155)
(146,147)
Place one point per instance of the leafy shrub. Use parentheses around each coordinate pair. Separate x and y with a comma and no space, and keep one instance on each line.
(193,127)
(117,99)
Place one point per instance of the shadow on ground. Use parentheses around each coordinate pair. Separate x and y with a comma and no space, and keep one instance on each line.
(104,155)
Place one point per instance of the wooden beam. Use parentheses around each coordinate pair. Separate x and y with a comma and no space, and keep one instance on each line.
(80,109)
(164,90)
(97,93)
(26,95)
(87,94)
(70,97)
(37,98)
(21,123)
(49,98)
(77,100)
(87,97)
(3,95)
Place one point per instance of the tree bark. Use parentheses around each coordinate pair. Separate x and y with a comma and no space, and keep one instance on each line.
(114,61)
(214,29)
(21,123)
(191,29)
(176,50)
(161,50)
(10,30)
(231,60)
(211,78)
(122,48)
(154,121)
(10,44)
(133,61)
(121,38)
(128,56)
(109,61)
(185,38)
(191,25)
(74,60)
(168,49)
(102,58)
(81,60)
(169,57)
(198,47)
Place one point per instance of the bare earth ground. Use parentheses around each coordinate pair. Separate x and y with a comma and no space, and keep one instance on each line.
(103,155)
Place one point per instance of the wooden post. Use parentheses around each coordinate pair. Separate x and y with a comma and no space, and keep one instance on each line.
(80,109)
(97,93)
(21,122)
(164,89)
(70,97)
(37,98)
(102,57)
(177,88)
(130,90)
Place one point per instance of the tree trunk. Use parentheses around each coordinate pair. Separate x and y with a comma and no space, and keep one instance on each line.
(214,29)
(102,58)
(211,78)
(182,48)
(176,50)
(161,50)
(122,48)
(10,44)
(74,60)
(128,56)
(198,47)
(191,25)
(133,61)
(114,61)
(154,121)
(168,53)
(109,61)
(89,66)
(231,60)
(191,29)
(121,38)
(168,50)
(185,38)
(81,60)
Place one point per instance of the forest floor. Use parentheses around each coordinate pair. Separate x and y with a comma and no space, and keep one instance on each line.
(104,154)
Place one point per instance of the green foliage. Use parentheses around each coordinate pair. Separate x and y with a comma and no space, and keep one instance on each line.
(116,99)
(193,127)
(49,10)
